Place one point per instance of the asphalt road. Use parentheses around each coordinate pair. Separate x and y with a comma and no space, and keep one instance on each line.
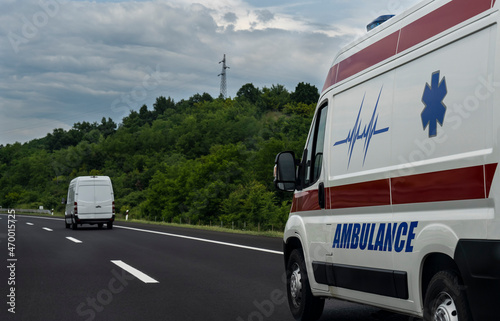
(145,272)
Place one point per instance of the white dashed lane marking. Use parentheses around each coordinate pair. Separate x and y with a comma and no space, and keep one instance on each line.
(73,239)
(138,274)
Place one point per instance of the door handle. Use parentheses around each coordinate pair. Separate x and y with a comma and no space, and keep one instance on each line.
(321,195)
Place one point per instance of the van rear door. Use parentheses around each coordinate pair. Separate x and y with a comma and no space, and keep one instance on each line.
(95,198)
(103,198)
(86,198)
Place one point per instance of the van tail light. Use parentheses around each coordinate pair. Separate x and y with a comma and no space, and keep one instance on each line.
(76,208)
(113,207)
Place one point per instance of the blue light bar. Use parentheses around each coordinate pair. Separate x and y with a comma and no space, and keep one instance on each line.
(377,22)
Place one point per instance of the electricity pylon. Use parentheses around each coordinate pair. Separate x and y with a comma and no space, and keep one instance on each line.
(223,86)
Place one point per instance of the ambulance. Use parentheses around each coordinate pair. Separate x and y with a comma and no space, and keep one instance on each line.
(397,197)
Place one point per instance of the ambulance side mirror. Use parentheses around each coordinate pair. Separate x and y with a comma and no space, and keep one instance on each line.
(285,172)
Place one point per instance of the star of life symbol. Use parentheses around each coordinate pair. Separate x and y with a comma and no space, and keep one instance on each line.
(435,109)
(369,130)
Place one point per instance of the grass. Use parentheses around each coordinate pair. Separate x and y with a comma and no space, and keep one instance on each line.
(209,228)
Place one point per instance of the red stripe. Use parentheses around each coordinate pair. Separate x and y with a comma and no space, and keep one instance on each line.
(439,20)
(430,25)
(305,201)
(331,78)
(372,193)
(450,185)
(369,56)
(489,173)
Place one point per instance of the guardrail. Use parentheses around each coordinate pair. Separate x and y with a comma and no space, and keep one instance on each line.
(5,210)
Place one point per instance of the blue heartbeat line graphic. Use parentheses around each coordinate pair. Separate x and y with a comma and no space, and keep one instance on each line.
(369,131)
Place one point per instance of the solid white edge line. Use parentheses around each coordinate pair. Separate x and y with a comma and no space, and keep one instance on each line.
(183,236)
(135,272)
(73,239)
(203,240)
(47,229)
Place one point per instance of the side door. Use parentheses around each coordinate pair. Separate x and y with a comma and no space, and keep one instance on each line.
(311,199)
(363,231)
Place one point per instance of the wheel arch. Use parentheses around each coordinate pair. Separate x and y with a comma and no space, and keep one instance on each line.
(289,245)
(293,237)
(432,264)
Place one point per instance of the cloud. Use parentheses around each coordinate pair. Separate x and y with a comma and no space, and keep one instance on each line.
(230,17)
(264,15)
(66,61)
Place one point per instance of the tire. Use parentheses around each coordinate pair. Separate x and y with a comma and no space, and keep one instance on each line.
(74,226)
(110,225)
(99,225)
(65,223)
(303,305)
(445,299)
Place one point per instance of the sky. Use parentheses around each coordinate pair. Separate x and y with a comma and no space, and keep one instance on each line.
(68,61)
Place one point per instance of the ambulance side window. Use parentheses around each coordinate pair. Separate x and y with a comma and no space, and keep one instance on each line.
(312,160)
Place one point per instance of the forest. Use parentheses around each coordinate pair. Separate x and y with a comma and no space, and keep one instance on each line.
(203,160)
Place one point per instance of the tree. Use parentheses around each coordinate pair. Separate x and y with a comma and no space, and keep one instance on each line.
(161,105)
(275,98)
(132,122)
(60,139)
(145,115)
(197,98)
(107,127)
(249,93)
(251,203)
(84,127)
(305,93)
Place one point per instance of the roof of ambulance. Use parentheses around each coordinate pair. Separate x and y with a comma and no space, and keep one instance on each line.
(379,29)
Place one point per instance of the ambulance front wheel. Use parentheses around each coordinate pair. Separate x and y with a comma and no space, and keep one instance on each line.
(303,305)
(445,299)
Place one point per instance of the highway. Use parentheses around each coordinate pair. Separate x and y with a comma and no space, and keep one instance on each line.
(146,272)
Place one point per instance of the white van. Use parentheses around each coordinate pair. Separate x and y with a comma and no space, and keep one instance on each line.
(396,195)
(90,201)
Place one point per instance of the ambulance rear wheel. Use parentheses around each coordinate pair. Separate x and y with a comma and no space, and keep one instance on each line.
(303,305)
(445,299)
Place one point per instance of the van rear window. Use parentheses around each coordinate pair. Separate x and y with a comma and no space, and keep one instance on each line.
(86,193)
(102,193)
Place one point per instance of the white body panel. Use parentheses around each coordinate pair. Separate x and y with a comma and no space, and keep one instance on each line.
(427,186)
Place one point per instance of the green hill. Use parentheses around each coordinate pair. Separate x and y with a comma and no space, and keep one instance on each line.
(201,160)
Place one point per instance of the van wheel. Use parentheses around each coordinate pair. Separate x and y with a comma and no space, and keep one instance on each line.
(445,299)
(73,225)
(110,225)
(303,305)
(67,224)
(99,225)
